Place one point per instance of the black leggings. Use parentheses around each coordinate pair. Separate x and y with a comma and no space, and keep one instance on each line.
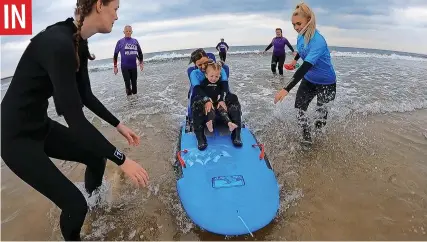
(305,94)
(30,162)
(233,113)
(222,55)
(277,60)
(130,75)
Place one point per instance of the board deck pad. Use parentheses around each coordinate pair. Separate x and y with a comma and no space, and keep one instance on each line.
(224,189)
(227,181)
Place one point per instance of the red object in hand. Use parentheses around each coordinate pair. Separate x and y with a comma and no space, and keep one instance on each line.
(289,67)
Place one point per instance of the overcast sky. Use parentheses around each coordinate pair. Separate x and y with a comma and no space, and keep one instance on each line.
(180,24)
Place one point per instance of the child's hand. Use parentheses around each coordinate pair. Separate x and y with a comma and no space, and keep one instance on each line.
(222,104)
(208,107)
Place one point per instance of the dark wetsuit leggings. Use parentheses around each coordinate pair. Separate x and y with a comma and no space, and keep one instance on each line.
(130,76)
(305,94)
(232,114)
(223,55)
(30,162)
(277,60)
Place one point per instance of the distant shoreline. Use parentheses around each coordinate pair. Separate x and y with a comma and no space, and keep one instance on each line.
(370,49)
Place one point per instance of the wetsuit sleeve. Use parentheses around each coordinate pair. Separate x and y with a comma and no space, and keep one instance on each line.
(217,46)
(57,57)
(195,77)
(92,102)
(223,74)
(226,45)
(317,49)
(297,57)
(116,53)
(299,74)
(224,89)
(140,55)
(289,45)
(269,46)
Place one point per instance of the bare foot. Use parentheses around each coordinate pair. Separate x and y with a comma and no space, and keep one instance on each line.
(210,126)
(232,126)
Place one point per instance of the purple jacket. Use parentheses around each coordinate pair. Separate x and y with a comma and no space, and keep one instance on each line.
(129,51)
(278,44)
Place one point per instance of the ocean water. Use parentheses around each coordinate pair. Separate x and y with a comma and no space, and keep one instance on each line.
(377,123)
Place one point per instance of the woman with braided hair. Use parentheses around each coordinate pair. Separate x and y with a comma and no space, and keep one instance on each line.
(55,64)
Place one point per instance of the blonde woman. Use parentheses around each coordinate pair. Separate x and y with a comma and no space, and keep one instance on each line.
(317,72)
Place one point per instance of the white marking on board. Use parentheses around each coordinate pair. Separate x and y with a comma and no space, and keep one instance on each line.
(204,157)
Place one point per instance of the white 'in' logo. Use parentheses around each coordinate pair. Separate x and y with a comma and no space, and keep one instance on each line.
(118,154)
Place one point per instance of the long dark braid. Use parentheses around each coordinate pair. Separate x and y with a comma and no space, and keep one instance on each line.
(83,8)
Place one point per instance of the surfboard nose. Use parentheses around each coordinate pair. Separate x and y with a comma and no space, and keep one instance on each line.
(231,210)
(227,190)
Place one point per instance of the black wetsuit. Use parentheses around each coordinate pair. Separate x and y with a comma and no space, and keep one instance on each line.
(305,94)
(130,77)
(217,92)
(29,137)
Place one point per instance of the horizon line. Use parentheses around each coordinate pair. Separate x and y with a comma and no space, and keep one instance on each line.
(421,54)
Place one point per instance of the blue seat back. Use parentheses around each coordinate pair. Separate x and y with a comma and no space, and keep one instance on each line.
(192,68)
(211,56)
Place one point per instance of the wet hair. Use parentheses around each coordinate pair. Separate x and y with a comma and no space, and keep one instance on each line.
(83,9)
(197,55)
(305,11)
(216,66)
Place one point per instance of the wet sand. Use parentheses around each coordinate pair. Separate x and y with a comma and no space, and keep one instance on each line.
(373,187)
(364,179)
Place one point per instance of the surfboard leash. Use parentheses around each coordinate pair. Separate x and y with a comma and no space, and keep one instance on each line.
(181,161)
(241,219)
(261,156)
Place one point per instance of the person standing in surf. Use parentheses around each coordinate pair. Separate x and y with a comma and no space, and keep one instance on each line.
(317,72)
(54,64)
(130,50)
(222,47)
(278,57)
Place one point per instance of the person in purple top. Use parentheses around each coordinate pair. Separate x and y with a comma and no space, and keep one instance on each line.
(130,50)
(222,47)
(278,43)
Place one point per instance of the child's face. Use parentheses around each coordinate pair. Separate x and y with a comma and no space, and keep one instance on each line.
(212,75)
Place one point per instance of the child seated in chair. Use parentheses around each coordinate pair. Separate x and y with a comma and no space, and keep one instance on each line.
(212,97)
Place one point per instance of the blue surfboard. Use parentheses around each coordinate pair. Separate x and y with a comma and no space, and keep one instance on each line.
(224,189)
